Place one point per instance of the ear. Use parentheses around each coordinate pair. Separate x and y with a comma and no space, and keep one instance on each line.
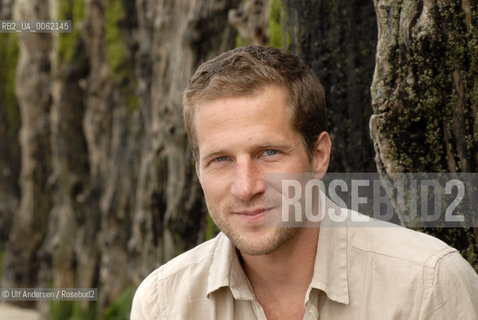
(321,156)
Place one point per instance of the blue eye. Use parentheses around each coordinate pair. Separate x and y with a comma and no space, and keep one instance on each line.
(271,152)
(220,159)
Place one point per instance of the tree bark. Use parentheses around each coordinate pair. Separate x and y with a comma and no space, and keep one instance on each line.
(337,39)
(29,227)
(170,214)
(108,187)
(9,127)
(252,21)
(424,95)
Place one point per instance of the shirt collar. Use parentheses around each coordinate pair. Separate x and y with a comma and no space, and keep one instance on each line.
(330,270)
(226,271)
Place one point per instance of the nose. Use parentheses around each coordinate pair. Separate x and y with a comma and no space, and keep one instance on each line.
(248,180)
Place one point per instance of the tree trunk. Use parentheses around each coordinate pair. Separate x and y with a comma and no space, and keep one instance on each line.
(170,215)
(424,95)
(30,223)
(337,39)
(9,127)
(108,187)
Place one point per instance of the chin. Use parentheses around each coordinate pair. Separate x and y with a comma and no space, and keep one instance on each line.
(255,245)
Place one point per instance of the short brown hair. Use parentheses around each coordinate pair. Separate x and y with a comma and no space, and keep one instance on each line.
(245,71)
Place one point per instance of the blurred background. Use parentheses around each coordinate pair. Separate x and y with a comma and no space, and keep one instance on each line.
(97,183)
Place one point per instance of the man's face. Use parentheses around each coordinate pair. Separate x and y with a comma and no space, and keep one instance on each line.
(239,140)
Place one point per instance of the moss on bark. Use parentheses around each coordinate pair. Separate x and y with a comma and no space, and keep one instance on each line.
(119,53)
(9,58)
(10,123)
(429,83)
(424,95)
(67,42)
(275,24)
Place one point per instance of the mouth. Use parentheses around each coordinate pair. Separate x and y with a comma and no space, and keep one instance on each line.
(252,215)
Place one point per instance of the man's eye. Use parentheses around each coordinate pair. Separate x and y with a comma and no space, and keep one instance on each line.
(271,152)
(220,159)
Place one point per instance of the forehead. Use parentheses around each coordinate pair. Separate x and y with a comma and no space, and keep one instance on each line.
(220,98)
(272,99)
(259,117)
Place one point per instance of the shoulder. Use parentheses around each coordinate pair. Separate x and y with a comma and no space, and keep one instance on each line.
(451,289)
(426,274)
(183,275)
(388,240)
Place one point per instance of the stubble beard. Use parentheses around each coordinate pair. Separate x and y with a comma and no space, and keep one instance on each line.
(251,244)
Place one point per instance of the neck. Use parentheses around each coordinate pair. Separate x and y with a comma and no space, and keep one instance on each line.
(288,269)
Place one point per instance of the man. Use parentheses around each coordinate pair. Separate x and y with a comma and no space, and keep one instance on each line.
(256,110)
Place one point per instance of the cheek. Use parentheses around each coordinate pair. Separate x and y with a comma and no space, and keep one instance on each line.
(215,190)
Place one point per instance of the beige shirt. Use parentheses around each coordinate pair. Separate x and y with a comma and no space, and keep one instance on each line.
(381,271)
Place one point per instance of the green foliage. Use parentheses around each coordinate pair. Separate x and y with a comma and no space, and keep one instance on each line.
(211,229)
(117,52)
(240,41)
(275,27)
(9,58)
(71,310)
(286,28)
(116,47)
(60,310)
(275,24)
(120,308)
(132,103)
(79,314)
(74,11)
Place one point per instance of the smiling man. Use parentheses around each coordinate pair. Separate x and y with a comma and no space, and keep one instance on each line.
(256,110)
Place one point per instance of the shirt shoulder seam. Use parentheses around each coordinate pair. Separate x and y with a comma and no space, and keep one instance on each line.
(425,263)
